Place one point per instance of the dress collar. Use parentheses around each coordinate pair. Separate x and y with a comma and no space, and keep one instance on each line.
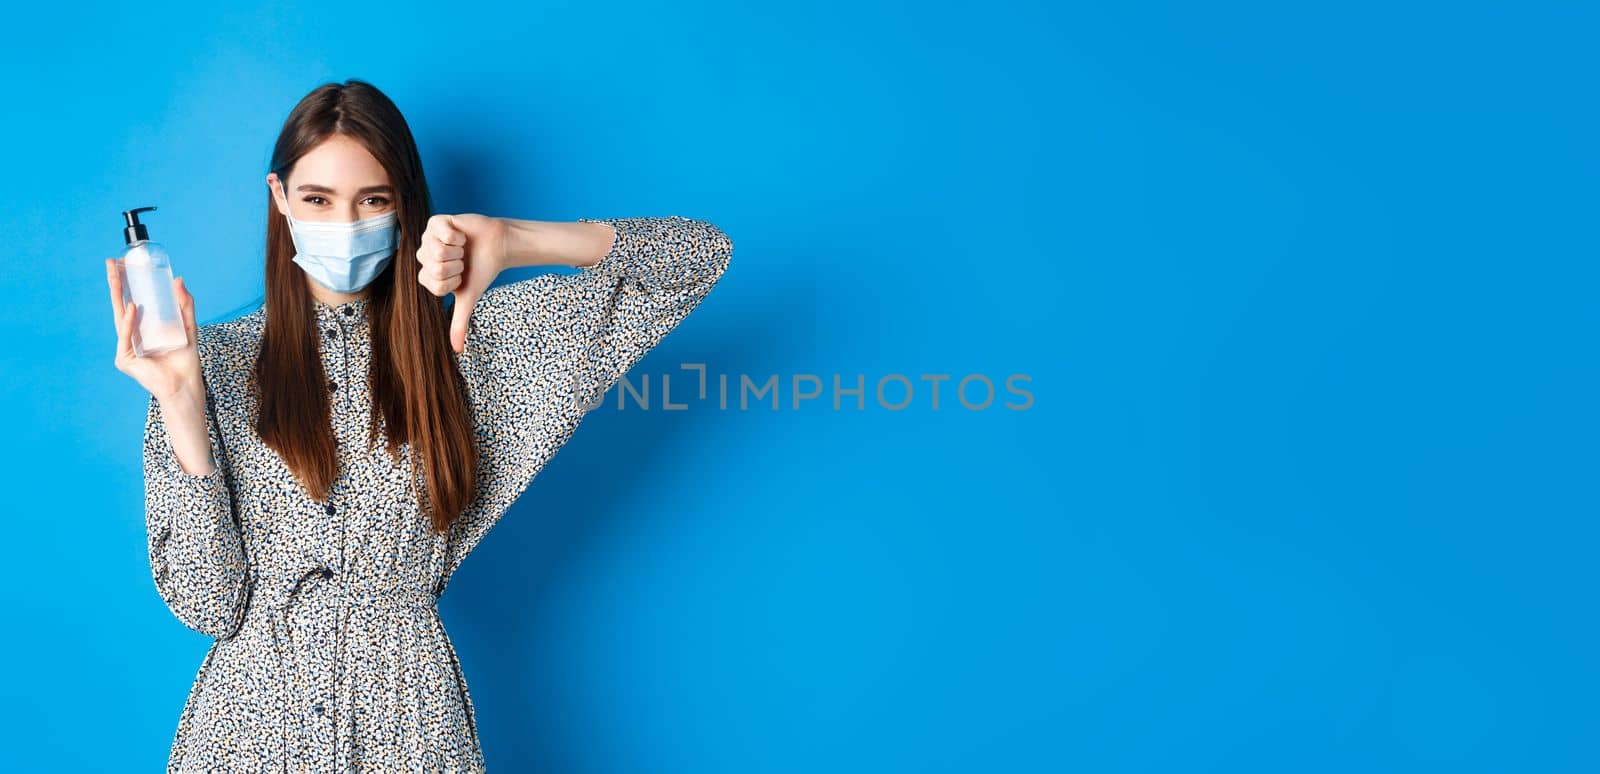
(349,311)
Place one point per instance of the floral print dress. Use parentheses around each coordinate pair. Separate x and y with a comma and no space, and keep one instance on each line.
(329,653)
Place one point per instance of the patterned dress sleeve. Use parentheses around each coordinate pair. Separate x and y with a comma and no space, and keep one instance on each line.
(542,351)
(197,555)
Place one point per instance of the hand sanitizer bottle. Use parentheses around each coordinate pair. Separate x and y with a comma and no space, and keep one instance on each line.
(147,283)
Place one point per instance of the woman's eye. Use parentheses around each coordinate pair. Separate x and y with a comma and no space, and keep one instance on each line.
(375,201)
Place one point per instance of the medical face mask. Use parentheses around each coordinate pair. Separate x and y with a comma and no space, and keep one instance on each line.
(345,257)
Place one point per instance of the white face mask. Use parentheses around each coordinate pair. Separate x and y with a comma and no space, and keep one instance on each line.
(345,257)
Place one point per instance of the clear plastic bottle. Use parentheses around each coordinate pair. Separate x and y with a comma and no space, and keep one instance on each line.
(147,284)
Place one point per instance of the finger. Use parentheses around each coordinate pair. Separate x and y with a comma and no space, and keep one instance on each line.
(180,289)
(458,321)
(433,251)
(444,270)
(125,331)
(114,282)
(437,287)
(448,234)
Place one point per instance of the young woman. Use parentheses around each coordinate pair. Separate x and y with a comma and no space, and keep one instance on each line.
(316,469)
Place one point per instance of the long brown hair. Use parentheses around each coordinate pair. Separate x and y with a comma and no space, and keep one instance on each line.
(417,392)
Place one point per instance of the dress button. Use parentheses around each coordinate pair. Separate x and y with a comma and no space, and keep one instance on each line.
(326,573)
(333,385)
(317,709)
(349,310)
(328,508)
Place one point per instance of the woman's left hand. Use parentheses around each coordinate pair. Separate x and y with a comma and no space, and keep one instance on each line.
(461,254)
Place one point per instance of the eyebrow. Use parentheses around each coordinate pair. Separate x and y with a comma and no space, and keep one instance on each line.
(313,187)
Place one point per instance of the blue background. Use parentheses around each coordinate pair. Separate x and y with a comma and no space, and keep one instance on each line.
(1306,297)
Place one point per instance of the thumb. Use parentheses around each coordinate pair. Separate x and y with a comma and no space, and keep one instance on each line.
(458,320)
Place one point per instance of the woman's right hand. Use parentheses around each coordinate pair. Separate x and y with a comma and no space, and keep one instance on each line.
(165,374)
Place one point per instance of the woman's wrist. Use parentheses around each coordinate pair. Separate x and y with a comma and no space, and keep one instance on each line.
(576,244)
(189,393)
(184,413)
(523,243)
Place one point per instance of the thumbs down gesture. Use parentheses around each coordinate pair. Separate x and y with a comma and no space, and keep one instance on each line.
(461,254)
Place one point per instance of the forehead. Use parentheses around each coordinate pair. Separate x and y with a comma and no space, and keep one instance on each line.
(340,163)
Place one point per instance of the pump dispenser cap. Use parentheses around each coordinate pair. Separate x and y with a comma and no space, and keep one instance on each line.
(135,231)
